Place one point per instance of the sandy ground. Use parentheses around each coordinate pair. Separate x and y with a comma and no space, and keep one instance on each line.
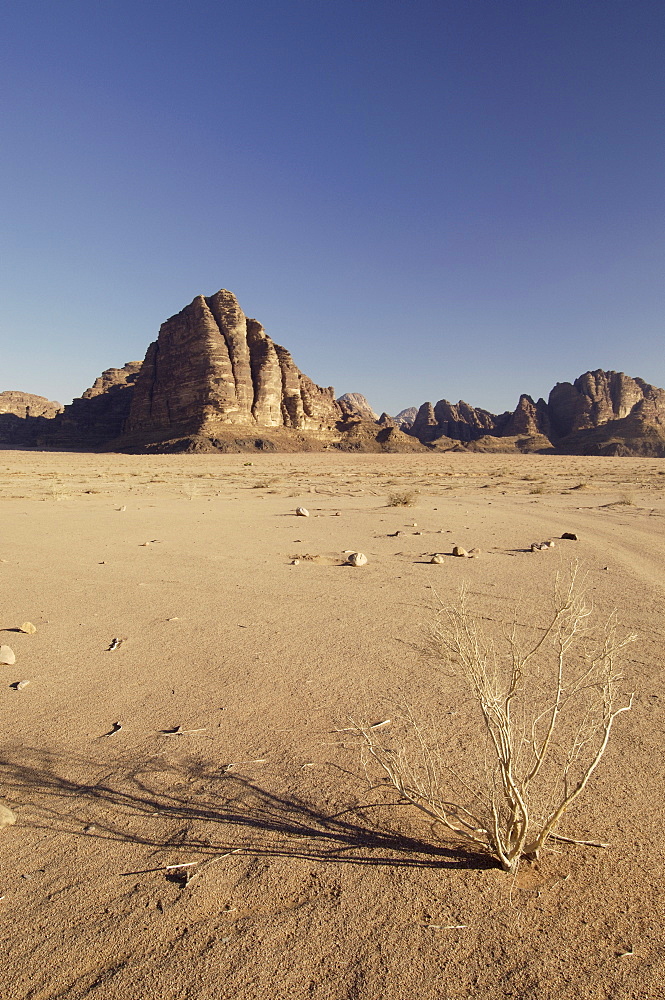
(309,883)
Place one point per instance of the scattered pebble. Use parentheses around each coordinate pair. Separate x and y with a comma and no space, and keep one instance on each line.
(28,628)
(7,817)
(356,559)
(302,512)
(19,685)
(121,508)
(570,535)
(90,828)
(7,656)
(541,546)
(295,562)
(114,644)
(438,557)
(459,551)
(473,553)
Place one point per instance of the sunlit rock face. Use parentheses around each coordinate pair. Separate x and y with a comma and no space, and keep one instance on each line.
(599,397)
(211,367)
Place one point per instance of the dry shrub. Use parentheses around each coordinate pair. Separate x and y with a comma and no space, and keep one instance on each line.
(542,699)
(403,498)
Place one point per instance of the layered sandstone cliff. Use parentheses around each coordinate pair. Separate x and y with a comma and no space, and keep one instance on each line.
(599,397)
(212,369)
(25,404)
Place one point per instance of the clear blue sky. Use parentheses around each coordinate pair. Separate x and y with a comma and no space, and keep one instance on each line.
(422,199)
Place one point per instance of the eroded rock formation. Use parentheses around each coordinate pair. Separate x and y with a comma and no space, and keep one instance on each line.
(600,413)
(598,397)
(99,415)
(354,404)
(25,404)
(23,416)
(212,368)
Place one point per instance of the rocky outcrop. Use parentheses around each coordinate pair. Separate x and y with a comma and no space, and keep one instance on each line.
(460,421)
(353,404)
(527,419)
(25,404)
(424,426)
(24,416)
(99,415)
(600,413)
(113,377)
(212,369)
(369,436)
(599,397)
(405,418)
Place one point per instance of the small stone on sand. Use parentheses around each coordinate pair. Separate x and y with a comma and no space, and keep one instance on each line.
(356,559)
(7,817)
(302,512)
(438,557)
(459,551)
(28,628)
(7,656)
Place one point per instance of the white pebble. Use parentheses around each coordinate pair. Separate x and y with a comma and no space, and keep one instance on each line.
(7,817)
(356,559)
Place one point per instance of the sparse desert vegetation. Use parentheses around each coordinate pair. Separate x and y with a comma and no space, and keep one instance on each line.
(180,757)
(544,698)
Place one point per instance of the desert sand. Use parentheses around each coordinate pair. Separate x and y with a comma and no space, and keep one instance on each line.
(215,733)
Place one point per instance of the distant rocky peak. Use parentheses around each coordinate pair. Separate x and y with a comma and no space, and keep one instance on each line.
(405,418)
(355,404)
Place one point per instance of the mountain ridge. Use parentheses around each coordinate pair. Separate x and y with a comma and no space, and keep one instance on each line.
(213,380)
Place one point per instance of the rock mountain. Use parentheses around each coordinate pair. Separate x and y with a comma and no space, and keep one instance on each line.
(599,413)
(211,371)
(215,381)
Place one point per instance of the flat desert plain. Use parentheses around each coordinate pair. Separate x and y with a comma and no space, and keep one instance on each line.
(216,735)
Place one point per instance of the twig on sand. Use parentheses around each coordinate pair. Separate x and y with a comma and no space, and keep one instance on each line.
(185,864)
(583,843)
(179,731)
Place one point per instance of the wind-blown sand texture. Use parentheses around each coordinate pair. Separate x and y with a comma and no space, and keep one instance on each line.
(309,884)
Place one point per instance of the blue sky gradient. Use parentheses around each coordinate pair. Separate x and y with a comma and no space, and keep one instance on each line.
(419,200)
